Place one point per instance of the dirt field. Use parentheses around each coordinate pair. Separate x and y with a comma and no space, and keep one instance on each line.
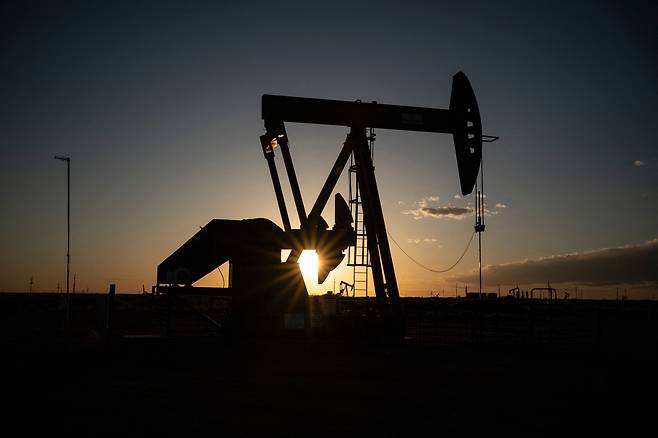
(435,381)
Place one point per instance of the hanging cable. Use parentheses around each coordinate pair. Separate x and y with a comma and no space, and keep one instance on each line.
(479,224)
(222,274)
(430,269)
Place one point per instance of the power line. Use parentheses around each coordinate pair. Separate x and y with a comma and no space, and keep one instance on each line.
(430,269)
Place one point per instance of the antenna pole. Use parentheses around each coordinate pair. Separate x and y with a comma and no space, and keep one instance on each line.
(68,227)
(480,260)
(481,221)
(68,230)
(479,228)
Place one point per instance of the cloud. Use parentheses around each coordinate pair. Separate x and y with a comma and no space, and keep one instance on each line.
(425,210)
(447,211)
(425,240)
(629,264)
(639,163)
(457,197)
(440,212)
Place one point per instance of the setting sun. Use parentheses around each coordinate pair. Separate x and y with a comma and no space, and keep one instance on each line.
(308,263)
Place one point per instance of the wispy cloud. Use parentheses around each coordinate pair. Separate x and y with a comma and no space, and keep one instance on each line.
(500,205)
(421,240)
(427,240)
(639,163)
(629,264)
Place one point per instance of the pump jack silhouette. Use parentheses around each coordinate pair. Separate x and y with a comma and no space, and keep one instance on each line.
(264,287)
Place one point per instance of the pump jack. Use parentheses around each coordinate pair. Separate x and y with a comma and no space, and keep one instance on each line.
(258,281)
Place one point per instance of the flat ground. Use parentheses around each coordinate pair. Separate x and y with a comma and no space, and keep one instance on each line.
(431,384)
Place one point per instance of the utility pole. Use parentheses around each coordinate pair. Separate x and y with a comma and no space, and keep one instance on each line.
(479,228)
(68,225)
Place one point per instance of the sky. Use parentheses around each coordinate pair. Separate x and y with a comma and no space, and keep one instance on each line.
(158,106)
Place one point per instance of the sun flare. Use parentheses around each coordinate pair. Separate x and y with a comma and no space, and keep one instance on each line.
(308,263)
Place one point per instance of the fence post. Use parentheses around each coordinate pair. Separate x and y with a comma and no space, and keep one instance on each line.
(420,323)
(109,314)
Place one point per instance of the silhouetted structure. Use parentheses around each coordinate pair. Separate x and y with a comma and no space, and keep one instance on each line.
(260,283)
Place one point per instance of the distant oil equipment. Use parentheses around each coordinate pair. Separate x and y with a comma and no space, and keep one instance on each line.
(549,293)
(270,294)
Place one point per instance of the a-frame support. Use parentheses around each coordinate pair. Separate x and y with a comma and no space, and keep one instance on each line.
(383,272)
